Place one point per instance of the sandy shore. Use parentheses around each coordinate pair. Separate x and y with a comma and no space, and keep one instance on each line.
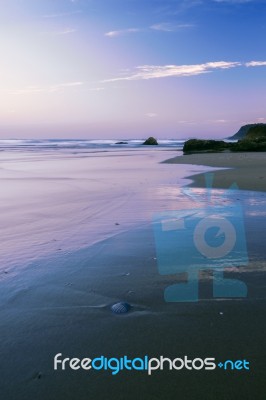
(247,170)
(59,201)
(65,308)
(60,301)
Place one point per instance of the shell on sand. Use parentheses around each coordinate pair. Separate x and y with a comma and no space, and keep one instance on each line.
(120,308)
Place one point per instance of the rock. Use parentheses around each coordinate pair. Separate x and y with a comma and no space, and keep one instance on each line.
(253,140)
(193,146)
(204,146)
(250,144)
(151,141)
(121,308)
(121,142)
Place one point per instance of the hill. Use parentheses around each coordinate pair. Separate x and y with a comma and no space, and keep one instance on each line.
(245,129)
(256,132)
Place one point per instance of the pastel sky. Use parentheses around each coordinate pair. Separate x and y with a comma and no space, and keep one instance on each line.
(131,68)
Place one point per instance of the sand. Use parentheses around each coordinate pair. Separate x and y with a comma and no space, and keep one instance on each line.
(247,170)
(54,201)
(57,299)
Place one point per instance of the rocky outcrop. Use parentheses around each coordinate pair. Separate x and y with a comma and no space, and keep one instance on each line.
(250,144)
(254,140)
(151,141)
(204,146)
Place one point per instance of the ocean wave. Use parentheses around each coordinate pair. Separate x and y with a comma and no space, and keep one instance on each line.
(18,144)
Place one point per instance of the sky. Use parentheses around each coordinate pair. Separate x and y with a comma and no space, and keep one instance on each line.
(131,68)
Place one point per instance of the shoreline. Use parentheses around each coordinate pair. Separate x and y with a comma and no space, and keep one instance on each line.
(61,302)
(245,169)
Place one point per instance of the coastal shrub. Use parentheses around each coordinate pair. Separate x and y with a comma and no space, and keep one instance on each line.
(201,145)
(250,145)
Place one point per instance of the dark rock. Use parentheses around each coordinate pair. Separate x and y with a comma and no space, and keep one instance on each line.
(121,308)
(215,146)
(252,138)
(121,142)
(204,146)
(250,144)
(151,141)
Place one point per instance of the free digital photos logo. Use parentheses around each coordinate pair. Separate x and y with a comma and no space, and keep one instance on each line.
(211,237)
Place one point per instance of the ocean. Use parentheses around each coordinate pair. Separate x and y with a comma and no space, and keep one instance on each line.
(84,144)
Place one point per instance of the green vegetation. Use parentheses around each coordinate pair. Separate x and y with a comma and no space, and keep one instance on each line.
(253,140)
(245,129)
(204,146)
(257,131)
(257,144)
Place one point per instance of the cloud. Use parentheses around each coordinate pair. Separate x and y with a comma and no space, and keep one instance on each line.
(65,14)
(121,32)
(255,64)
(96,89)
(69,84)
(65,31)
(46,89)
(178,7)
(145,72)
(219,121)
(162,26)
(168,27)
(151,115)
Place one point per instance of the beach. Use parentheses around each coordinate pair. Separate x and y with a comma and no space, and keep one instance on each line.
(132,256)
(247,170)
(78,237)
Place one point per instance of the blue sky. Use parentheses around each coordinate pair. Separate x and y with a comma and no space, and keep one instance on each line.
(131,68)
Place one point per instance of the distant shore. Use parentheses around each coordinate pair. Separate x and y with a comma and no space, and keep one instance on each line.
(247,170)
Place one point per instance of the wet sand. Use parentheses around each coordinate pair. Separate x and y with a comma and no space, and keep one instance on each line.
(66,309)
(54,201)
(247,170)
(60,302)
